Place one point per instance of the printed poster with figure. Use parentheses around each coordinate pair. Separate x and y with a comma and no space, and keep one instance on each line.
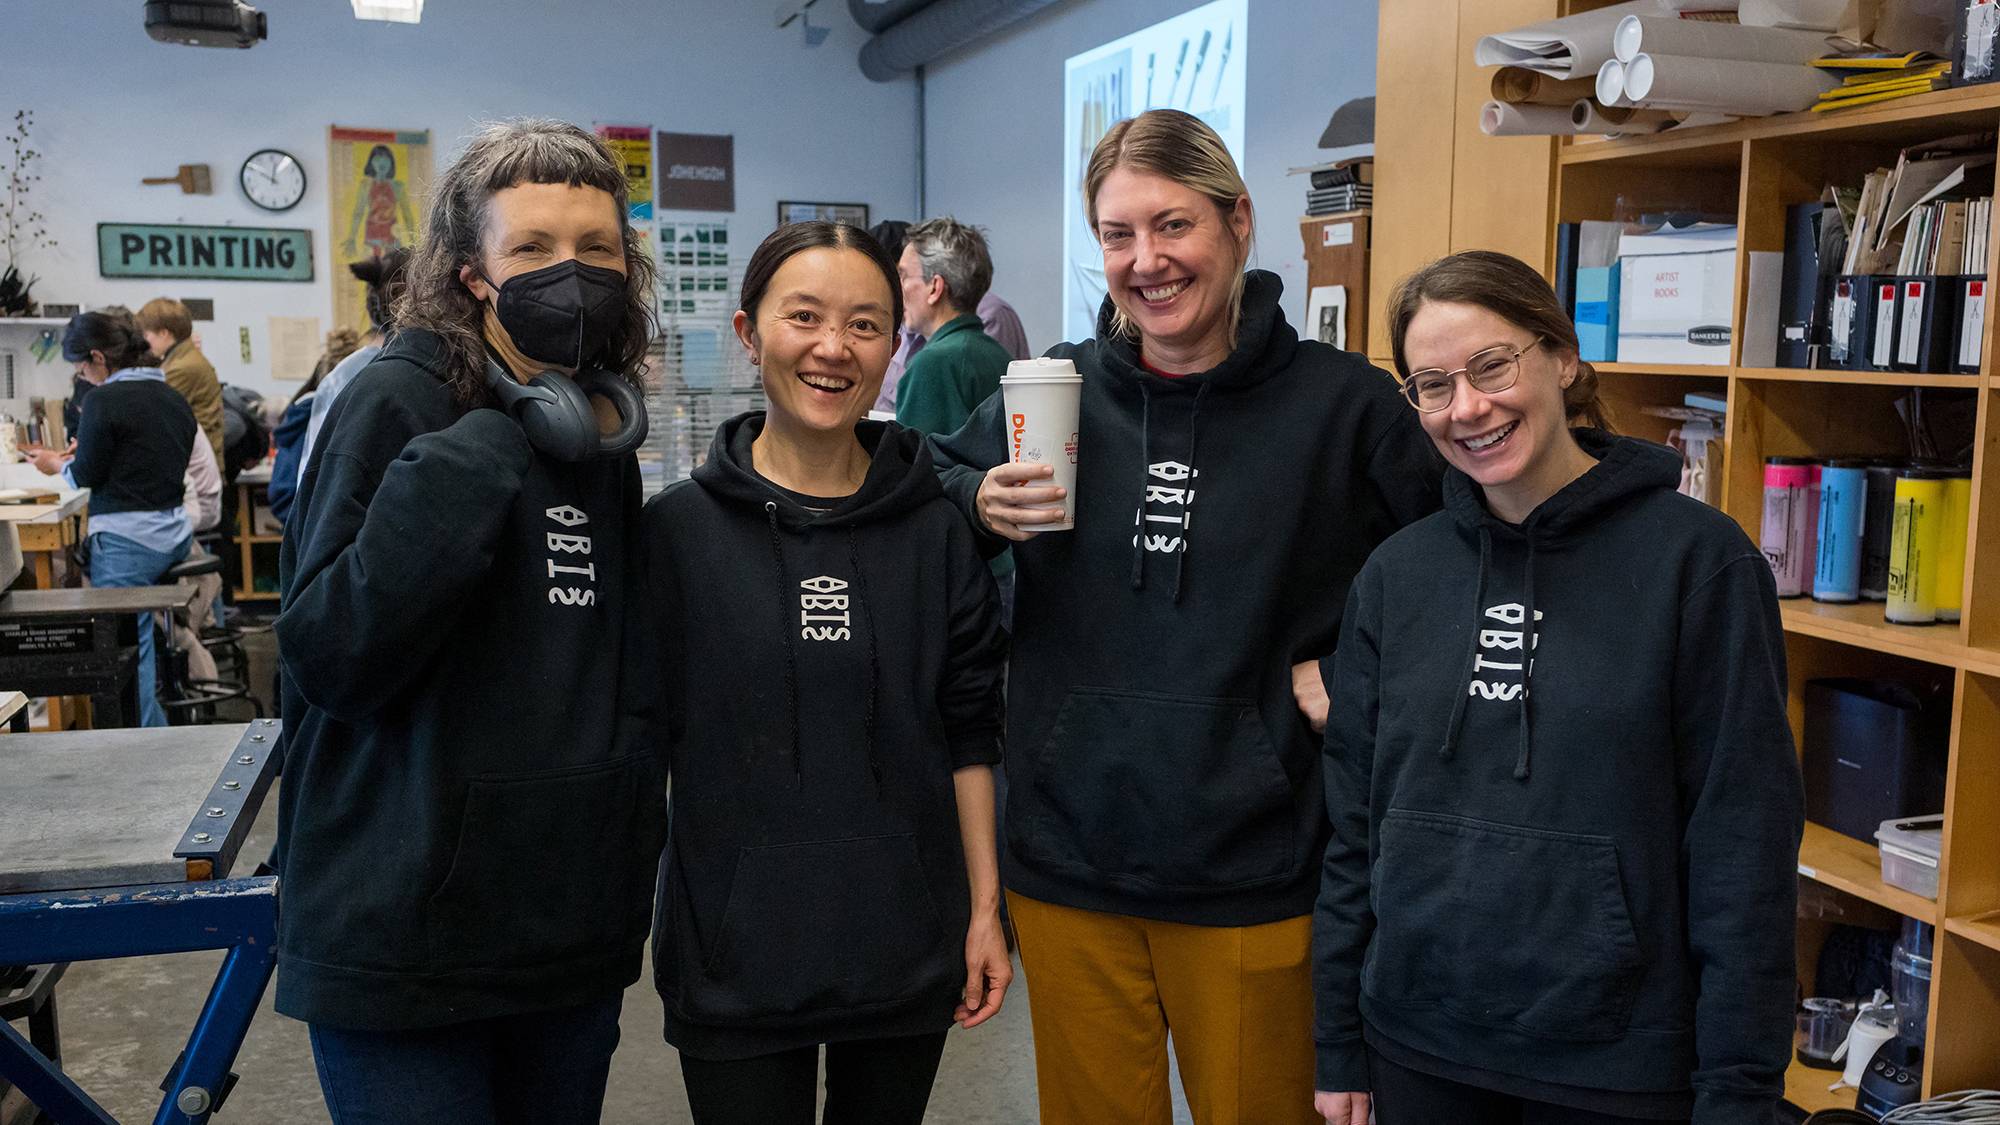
(379,184)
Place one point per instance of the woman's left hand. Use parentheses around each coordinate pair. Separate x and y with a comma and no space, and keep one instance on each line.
(988,972)
(1310,691)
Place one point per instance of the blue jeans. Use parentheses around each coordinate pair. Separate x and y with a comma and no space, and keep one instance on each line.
(548,1068)
(118,561)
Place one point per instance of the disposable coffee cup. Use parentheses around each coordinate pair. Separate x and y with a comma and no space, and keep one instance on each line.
(1043,397)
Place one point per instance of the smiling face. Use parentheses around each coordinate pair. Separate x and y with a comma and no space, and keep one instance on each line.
(822,334)
(1172,259)
(1511,440)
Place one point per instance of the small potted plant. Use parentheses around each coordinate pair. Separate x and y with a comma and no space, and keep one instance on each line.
(23,229)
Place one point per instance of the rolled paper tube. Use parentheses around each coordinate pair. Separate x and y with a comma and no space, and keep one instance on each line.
(1665,35)
(1748,89)
(1498,119)
(1611,84)
(1807,15)
(1611,121)
(1519,86)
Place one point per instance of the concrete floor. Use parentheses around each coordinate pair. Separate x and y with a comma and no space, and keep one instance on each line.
(124,1022)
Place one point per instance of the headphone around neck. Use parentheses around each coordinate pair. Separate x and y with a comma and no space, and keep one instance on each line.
(554,410)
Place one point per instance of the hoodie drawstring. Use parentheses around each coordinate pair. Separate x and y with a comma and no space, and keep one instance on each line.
(1471,648)
(874,665)
(791,648)
(1187,508)
(1145,479)
(1530,634)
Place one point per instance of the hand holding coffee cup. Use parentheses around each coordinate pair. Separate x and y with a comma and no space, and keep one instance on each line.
(1042,400)
(1014,499)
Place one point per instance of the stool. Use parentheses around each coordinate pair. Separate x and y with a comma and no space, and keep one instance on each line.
(29,992)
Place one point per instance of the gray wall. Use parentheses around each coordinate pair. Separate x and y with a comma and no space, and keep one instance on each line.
(112,106)
(993,131)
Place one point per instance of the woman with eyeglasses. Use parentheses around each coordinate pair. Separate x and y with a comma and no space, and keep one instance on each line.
(1566,810)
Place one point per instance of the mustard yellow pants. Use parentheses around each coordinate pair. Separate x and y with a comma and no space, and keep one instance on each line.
(1106,989)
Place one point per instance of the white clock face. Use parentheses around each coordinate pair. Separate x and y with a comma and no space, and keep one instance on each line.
(273,180)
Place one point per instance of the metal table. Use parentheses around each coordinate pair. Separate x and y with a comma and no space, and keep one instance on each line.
(80,642)
(118,843)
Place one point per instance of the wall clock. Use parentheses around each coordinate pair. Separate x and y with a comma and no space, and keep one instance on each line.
(273,179)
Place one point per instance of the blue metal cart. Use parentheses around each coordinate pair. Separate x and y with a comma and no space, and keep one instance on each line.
(119,843)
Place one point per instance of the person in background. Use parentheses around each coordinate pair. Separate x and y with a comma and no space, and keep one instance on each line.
(383,277)
(202,488)
(1165,818)
(453,634)
(945,271)
(168,328)
(997,319)
(1566,809)
(131,450)
(832,876)
(288,438)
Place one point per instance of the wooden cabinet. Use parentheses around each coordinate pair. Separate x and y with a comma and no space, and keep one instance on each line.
(1440,184)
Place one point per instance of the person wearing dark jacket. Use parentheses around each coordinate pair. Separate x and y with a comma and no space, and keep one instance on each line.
(1164,814)
(830,654)
(472,811)
(1566,810)
(131,450)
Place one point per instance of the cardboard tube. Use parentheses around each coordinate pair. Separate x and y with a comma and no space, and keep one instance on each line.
(1806,15)
(1519,86)
(1611,84)
(1749,89)
(1664,35)
(1499,119)
(1614,121)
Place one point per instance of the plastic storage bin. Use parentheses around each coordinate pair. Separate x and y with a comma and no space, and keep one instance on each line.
(1910,853)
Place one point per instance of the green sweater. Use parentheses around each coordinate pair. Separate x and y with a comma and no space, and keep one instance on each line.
(959,368)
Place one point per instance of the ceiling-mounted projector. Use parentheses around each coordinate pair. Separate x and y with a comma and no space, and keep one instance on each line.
(204,23)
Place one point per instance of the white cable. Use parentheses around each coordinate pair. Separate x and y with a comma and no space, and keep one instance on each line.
(1961,1107)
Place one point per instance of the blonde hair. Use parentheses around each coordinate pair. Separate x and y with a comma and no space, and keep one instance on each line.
(1180,147)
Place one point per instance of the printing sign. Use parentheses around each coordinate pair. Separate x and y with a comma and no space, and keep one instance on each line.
(207,253)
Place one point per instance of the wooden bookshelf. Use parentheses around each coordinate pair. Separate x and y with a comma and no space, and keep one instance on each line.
(1806,1087)
(1753,168)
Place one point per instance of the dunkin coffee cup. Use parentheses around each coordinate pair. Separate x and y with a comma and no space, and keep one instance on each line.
(1042,397)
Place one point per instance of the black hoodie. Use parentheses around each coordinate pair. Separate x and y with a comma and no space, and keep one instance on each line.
(1576,869)
(823,674)
(1158,764)
(471,818)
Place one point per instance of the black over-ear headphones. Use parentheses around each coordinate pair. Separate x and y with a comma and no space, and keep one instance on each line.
(555,411)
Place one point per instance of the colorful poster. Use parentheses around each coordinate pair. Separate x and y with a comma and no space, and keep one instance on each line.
(379,181)
(633,146)
(1193,62)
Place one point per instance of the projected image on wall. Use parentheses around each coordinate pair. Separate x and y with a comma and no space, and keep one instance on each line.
(1194,62)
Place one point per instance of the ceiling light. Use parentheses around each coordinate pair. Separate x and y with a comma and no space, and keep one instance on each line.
(390,11)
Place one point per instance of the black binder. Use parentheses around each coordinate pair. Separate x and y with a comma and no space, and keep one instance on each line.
(1802,303)
(1971,342)
(1927,323)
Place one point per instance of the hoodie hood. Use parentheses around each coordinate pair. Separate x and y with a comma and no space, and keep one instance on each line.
(900,476)
(1625,467)
(1264,343)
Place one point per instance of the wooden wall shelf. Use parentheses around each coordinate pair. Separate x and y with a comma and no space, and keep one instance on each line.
(1443,187)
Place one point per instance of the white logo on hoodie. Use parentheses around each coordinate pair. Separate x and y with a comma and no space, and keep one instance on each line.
(822,601)
(1507,646)
(1172,503)
(569,549)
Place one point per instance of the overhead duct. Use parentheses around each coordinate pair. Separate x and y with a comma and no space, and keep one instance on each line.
(937,29)
(876,15)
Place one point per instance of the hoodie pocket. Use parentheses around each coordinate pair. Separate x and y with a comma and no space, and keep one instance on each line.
(550,865)
(823,927)
(1161,792)
(1505,927)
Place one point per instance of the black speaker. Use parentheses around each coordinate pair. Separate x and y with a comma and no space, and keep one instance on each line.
(1874,751)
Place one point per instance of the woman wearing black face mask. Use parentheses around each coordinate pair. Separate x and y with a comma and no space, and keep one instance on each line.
(471,820)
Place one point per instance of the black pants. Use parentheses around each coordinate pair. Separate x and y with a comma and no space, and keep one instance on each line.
(868,1082)
(1409,1097)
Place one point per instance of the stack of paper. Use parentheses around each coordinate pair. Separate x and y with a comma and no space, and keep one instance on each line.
(1879,76)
